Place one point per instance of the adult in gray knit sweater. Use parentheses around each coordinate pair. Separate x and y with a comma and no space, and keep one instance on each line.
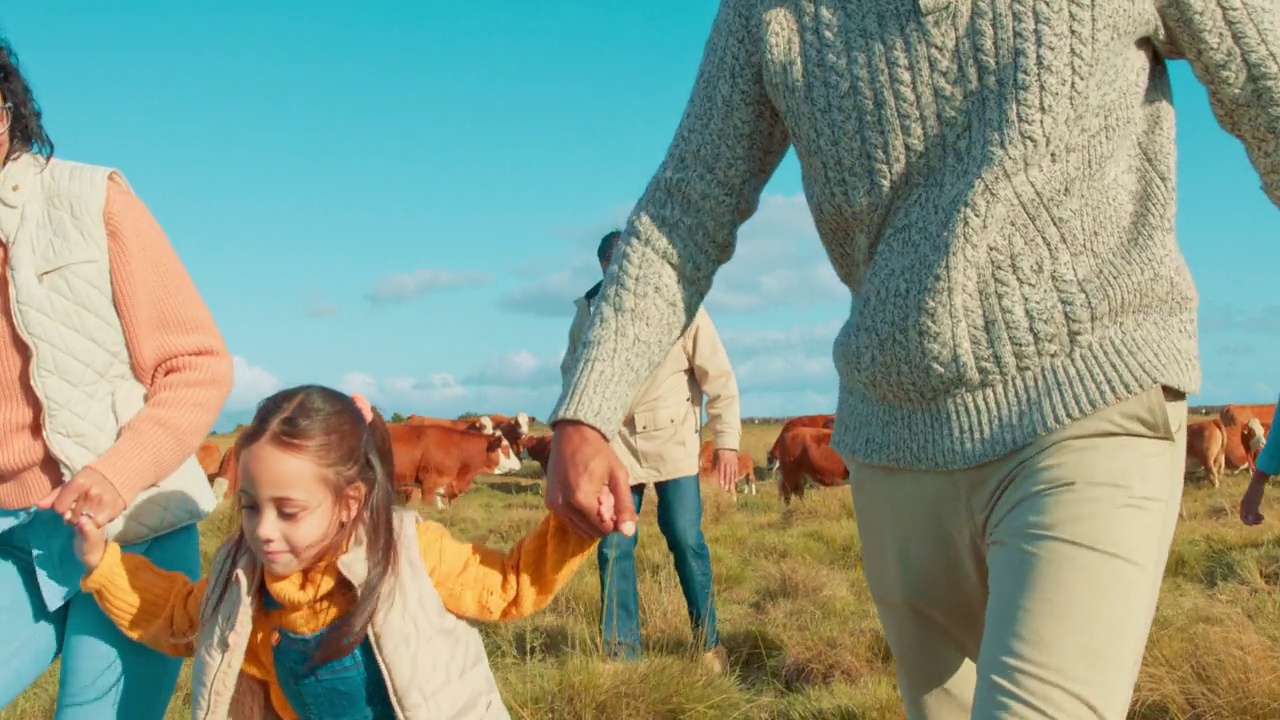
(994,181)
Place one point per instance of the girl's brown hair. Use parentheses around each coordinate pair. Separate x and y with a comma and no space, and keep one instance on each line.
(328,428)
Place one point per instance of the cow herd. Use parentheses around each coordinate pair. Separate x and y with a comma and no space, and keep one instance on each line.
(440,458)
(1229,442)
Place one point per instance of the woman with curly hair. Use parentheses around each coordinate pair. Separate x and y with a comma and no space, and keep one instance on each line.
(112,373)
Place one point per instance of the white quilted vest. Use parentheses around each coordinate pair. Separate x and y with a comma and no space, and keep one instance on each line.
(51,217)
(434,663)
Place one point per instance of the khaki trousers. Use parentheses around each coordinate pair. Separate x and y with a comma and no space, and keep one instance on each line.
(1025,588)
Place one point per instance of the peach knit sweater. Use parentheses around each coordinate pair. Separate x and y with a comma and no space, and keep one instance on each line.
(177,354)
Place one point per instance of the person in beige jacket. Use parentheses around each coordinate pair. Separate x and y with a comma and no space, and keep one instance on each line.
(659,443)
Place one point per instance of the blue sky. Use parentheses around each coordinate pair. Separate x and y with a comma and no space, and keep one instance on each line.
(405,200)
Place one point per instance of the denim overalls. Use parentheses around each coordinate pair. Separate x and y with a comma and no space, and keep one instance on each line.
(347,688)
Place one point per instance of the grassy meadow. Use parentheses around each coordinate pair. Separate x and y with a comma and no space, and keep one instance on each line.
(797,620)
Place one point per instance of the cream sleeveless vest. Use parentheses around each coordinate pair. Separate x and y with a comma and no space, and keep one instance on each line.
(434,663)
(51,217)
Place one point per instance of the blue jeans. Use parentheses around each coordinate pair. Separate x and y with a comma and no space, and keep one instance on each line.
(104,675)
(680,520)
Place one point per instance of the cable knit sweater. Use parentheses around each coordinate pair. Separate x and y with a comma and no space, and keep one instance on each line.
(992,179)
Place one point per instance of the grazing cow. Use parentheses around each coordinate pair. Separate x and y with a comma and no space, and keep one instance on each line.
(228,475)
(746,470)
(806,452)
(1234,456)
(1239,414)
(538,448)
(1253,436)
(807,421)
(443,461)
(209,455)
(1206,449)
(514,429)
(482,424)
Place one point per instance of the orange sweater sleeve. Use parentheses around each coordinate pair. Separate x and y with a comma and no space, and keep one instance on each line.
(176,349)
(480,583)
(158,608)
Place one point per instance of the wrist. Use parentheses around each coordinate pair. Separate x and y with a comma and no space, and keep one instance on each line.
(575,427)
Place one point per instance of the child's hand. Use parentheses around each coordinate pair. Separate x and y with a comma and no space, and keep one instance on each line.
(91,542)
(606,509)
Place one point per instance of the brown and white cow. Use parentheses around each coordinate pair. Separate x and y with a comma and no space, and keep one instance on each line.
(481,424)
(1206,449)
(707,466)
(803,452)
(538,448)
(826,421)
(443,461)
(1236,453)
(515,429)
(226,483)
(1253,436)
(209,455)
(1240,414)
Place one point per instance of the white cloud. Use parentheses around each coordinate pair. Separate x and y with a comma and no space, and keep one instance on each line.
(403,287)
(553,295)
(252,384)
(517,381)
(318,307)
(778,262)
(518,369)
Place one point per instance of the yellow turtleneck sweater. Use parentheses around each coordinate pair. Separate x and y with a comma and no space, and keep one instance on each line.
(161,609)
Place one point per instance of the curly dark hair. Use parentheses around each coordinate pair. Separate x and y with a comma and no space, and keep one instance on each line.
(26,129)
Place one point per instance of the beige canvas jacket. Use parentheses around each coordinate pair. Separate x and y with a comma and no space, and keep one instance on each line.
(661,434)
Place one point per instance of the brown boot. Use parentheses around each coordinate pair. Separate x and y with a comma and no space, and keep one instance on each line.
(716,660)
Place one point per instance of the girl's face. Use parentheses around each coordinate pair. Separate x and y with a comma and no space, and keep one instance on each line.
(288,509)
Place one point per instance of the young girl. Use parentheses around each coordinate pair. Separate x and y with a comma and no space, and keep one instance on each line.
(328,602)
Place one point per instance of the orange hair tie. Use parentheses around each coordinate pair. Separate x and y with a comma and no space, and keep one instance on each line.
(365,408)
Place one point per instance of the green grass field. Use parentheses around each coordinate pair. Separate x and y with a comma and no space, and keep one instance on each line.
(799,627)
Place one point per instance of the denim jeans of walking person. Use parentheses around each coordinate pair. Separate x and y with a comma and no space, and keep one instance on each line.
(103,675)
(680,521)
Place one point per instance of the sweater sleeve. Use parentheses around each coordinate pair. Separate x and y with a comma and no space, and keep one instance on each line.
(715,374)
(1233,47)
(728,144)
(480,583)
(158,608)
(175,347)
(1269,459)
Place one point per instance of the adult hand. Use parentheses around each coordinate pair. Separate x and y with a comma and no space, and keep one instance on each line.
(1251,503)
(89,493)
(583,467)
(727,463)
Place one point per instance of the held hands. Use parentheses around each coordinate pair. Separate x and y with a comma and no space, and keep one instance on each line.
(588,487)
(88,502)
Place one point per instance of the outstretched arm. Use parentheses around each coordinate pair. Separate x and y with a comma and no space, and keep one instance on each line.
(727,146)
(158,608)
(481,583)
